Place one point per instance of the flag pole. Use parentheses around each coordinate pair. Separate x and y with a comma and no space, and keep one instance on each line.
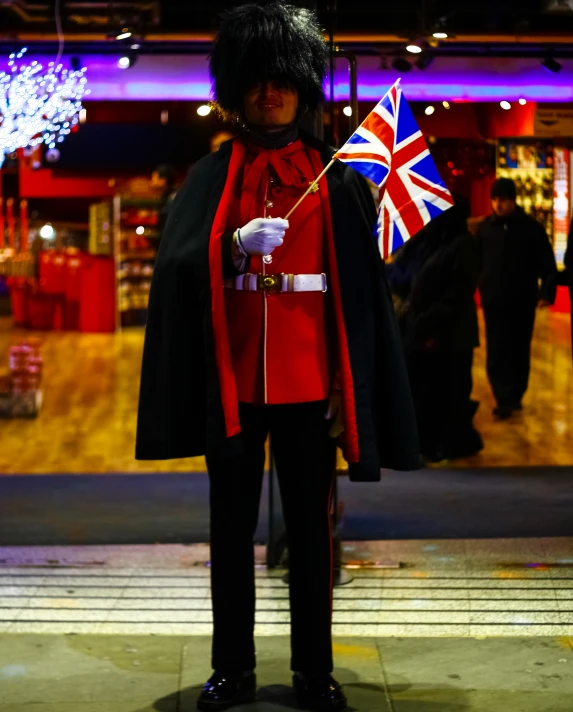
(310,187)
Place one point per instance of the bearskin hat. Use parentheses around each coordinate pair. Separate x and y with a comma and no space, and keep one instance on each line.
(263,42)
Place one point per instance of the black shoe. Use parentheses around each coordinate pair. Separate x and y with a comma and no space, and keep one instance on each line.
(222,691)
(503,412)
(319,693)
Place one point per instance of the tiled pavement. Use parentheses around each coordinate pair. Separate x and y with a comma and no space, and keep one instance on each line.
(131,673)
(441,588)
(458,626)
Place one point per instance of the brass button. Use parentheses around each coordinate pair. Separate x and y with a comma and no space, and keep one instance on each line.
(268,282)
(269,204)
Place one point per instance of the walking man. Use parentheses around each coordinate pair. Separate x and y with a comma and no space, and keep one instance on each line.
(518,273)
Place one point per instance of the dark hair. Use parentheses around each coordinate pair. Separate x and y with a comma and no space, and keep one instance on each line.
(274,42)
(167,172)
(504,188)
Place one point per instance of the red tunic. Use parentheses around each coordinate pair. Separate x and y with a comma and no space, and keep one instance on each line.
(278,342)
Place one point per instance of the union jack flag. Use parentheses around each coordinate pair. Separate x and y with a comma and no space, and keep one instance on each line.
(389,148)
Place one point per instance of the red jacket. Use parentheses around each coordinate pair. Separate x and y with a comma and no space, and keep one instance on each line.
(279,342)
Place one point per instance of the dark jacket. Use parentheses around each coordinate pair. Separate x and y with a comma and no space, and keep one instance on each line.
(435,277)
(567,274)
(180,408)
(515,254)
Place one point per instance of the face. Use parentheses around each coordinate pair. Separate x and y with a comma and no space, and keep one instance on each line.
(157,181)
(270,106)
(503,206)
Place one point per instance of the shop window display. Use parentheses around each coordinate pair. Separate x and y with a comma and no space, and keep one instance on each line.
(532,166)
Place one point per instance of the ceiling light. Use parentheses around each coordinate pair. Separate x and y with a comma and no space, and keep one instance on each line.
(429,110)
(414,48)
(440,35)
(135,46)
(127,60)
(47,232)
(523,102)
(204,110)
(401,65)
(124,34)
(552,64)
(446,104)
(347,111)
(140,230)
(505,105)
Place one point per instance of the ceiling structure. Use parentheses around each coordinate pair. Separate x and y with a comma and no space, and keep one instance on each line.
(474,27)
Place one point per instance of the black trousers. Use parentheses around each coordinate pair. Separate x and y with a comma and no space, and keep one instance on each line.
(305,460)
(509,333)
(441,387)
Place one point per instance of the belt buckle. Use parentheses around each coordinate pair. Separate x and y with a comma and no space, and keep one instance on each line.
(270,283)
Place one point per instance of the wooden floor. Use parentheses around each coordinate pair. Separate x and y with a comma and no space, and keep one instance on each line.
(91,387)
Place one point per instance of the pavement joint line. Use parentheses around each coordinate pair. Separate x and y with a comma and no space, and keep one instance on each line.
(273,598)
(267,610)
(385,680)
(350,588)
(179,698)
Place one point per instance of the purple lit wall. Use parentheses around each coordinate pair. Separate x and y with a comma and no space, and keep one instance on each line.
(185,77)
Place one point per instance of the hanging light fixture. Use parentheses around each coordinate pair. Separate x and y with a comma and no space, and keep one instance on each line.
(414,47)
(38,105)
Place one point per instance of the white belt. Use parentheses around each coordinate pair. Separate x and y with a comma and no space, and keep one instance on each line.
(274,283)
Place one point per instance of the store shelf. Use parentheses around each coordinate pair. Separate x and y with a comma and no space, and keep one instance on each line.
(128,256)
(140,202)
(127,277)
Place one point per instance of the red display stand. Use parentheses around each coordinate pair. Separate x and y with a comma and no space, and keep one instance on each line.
(97,295)
(562,303)
(75,292)
(20,289)
(45,312)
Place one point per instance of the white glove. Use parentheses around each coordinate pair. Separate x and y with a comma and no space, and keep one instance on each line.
(262,235)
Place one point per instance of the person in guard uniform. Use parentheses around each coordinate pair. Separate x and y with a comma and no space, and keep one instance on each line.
(259,325)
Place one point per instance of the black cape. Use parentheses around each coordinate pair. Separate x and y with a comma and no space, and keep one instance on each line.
(180,409)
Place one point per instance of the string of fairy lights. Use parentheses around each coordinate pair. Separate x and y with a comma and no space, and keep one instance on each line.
(38,104)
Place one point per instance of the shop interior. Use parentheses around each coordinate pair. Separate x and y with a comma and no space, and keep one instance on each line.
(80,226)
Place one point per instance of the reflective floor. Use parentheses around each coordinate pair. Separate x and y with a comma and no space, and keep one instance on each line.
(91,390)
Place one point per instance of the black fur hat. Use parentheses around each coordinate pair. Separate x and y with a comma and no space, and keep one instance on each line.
(258,42)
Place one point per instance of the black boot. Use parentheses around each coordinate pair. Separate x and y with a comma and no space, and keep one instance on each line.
(319,693)
(222,691)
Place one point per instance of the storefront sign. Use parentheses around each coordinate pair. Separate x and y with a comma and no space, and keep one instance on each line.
(560,203)
(553,122)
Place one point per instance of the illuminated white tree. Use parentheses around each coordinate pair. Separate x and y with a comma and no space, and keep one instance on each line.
(38,106)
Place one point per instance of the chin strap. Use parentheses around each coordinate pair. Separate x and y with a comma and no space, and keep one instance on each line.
(271,138)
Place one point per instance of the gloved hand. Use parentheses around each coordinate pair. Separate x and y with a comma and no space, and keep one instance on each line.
(262,235)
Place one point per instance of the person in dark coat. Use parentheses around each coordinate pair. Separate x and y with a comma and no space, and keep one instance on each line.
(515,256)
(434,278)
(566,276)
(164,177)
(259,325)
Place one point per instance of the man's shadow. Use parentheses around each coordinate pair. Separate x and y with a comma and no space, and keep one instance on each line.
(362,696)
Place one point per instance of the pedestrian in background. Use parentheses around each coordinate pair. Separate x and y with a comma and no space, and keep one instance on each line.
(518,273)
(434,278)
(566,276)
